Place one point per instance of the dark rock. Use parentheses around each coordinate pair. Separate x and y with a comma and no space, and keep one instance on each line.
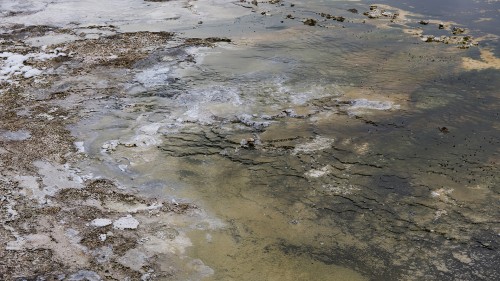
(457,30)
(341,19)
(354,11)
(424,22)
(210,41)
(310,22)
(444,130)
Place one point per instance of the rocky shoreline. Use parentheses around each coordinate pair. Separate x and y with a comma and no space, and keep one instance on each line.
(60,222)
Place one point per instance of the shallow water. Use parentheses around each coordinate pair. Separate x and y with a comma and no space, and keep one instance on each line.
(342,151)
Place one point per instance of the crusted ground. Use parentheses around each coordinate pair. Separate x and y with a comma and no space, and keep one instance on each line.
(46,205)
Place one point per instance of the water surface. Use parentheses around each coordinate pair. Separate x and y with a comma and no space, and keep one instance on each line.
(342,151)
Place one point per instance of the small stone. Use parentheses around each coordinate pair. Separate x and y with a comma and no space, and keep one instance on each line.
(444,130)
(339,18)
(102,237)
(310,22)
(387,14)
(457,30)
(429,38)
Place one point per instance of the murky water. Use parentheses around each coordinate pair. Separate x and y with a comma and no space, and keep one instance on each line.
(342,151)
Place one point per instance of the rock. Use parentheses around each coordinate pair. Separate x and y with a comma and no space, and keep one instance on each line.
(328,16)
(354,11)
(457,30)
(310,22)
(444,130)
(424,22)
(248,143)
(127,222)
(441,26)
(373,14)
(387,14)
(373,7)
(428,38)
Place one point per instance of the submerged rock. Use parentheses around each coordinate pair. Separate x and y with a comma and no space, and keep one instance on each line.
(457,30)
(85,275)
(19,135)
(328,16)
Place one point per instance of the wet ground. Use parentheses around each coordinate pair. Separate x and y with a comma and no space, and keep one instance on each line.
(298,141)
